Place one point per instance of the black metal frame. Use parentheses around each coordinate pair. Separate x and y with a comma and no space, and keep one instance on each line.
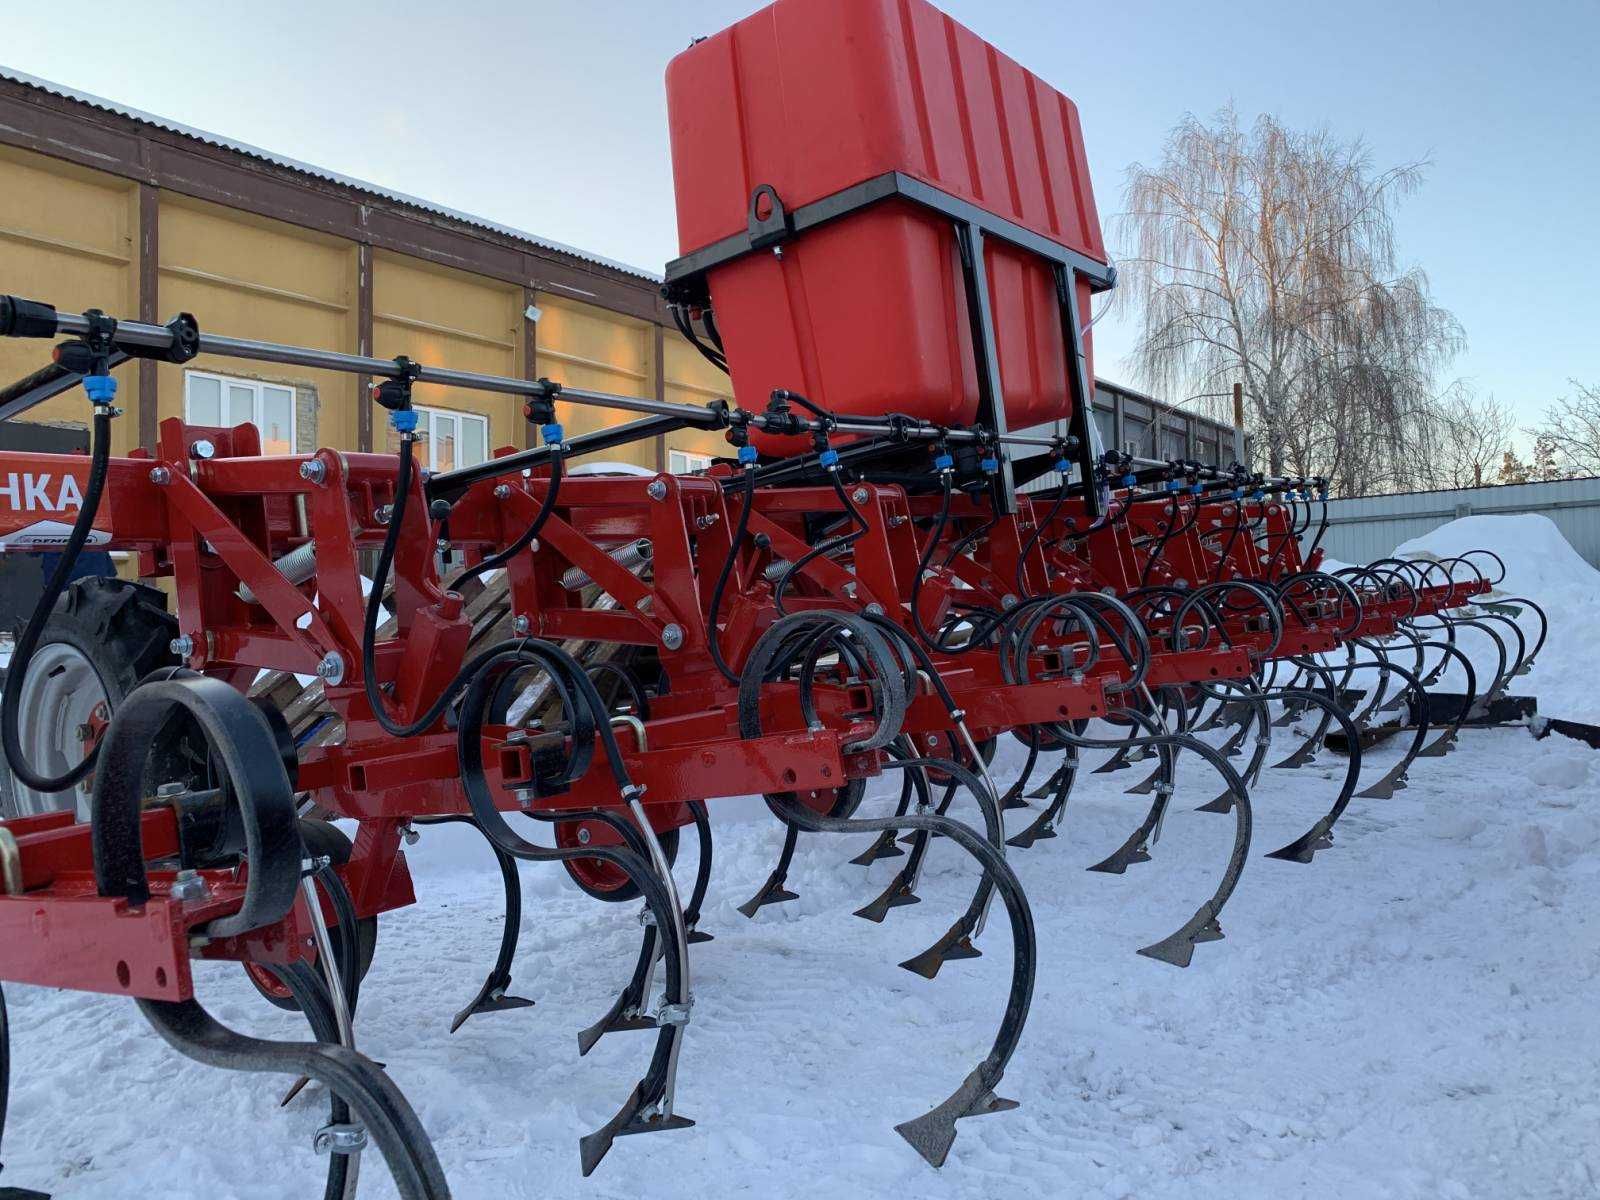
(686,284)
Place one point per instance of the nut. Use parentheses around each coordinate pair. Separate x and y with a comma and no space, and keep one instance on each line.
(160,476)
(314,470)
(189,886)
(657,489)
(331,668)
(672,637)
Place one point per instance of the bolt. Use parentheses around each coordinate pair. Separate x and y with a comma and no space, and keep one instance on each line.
(411,836)
(189,887)
(707,521)
(168,790)
(314,469)
(203,448)
(1008,601)
(672,637)
(874,609)
(657,489)
(160,476)
(181,646)
(331,668)
(382,513)
(502,491)
(521,625)
(583,836)
(859,495)
(896,522)
(524,797)
(442,545)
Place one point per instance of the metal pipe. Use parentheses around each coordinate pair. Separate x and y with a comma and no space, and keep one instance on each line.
(449,484)
(336,994)
(159,337)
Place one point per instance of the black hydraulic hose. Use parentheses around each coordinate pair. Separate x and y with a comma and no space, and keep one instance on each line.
(829,547)
(546,507)
(1036,534)
(28,642)
(1168,532)
(1322,528)
(713,636)
(1292,534)
(369,629)
(925,558)
(1233,537)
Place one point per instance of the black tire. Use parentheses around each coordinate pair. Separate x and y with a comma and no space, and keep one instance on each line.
(124,631)
(322,840)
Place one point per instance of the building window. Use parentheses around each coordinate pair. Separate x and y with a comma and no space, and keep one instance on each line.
(1174,440)
(680,462)
(224,401)
(1105,421)
(448,439)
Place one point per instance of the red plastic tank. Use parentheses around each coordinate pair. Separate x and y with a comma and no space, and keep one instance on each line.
(867,314)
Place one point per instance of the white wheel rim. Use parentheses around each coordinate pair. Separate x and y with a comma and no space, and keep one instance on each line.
(59,696)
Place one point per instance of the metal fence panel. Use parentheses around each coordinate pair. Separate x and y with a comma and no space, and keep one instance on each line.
(1370,527)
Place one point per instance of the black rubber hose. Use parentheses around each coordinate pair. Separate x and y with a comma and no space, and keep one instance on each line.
(1034,536)
(829,547)
(713,635)
(500,559)
(924,559)
(16,673)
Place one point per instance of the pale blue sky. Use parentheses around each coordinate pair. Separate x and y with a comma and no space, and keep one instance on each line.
(550,116)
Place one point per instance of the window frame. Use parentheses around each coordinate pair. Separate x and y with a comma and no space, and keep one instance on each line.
(427,419)
(257,389)
(690,459)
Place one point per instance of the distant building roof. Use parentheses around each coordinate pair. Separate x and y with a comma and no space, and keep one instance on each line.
(279,160)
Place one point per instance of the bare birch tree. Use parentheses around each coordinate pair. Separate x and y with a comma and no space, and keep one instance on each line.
(1472,435)
(1267,255)
(1572,428)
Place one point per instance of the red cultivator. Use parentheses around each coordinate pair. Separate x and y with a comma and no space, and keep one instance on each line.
(605,654)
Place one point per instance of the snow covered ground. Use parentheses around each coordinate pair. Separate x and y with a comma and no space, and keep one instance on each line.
(1411,1015)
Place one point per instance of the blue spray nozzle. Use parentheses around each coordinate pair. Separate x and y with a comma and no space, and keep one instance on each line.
(991,465)
(944,462)
(1129,479)
(748,455)
(1062,465)
(551,433)
(102,389)
(404,420)
(829,458)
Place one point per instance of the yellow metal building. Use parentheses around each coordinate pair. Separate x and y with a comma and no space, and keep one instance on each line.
(110,208)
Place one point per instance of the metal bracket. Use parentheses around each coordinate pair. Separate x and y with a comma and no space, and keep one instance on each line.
(340,1139)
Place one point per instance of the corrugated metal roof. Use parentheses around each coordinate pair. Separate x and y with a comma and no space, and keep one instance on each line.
(213,139)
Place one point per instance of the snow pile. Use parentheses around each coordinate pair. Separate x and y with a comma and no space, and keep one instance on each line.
(1539,562)
(1542,566)
(1408,1017)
